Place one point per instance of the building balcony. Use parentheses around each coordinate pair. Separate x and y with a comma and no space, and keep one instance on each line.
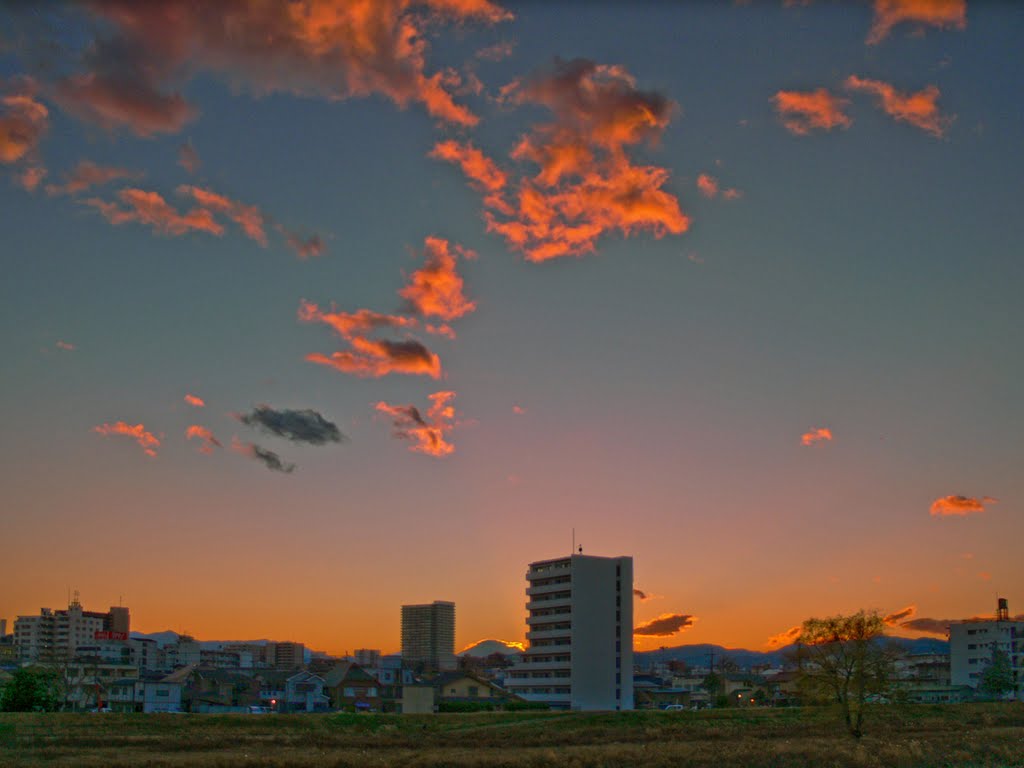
(546,634)
(549,617)
(546,589)
(529,666)
(549,569)
(549,602)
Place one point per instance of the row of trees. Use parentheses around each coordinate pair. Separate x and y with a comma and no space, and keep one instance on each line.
(32,690)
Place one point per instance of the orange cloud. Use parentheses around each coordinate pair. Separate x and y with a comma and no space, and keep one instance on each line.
(666,625)
(708,185)
(732,194)
(435,290)
(427,434)
(370,357)
(919,109)
(247,217)
(30,178)
(23,121)
(188,158)
(333,49)
(585,184)
(147,441)
(816,436)
(209,441)
(151,209)
(784,638)
(897,618)
(804,111)
(959,505)
(935,13)
(518,410)
(196,402)
(88,174)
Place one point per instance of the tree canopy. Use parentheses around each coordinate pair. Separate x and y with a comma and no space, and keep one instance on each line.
(844,659)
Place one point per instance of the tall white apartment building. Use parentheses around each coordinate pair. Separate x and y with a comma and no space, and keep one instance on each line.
(580,633)
(971,644)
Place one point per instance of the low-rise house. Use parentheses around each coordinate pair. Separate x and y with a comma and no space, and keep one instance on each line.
(457,688)
(164,693)
(349,686)
(221,690)
(304,692)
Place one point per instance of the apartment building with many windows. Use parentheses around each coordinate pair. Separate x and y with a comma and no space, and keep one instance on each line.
(972,642)
(428,636)
(580,634)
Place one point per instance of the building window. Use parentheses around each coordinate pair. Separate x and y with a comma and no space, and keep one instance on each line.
(474,690)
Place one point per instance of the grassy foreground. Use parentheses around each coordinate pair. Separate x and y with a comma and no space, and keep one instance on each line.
(952,735)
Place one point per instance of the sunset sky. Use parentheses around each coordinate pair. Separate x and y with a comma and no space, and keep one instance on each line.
(312,309)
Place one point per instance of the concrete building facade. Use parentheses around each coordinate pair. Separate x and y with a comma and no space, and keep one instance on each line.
(971,644)
(60,633)
(428,636)
(580,633)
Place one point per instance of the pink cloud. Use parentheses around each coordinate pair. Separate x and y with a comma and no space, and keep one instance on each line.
(195,402)
(188,157)
(708,185)
(247,217)
(67,347)
(88,174)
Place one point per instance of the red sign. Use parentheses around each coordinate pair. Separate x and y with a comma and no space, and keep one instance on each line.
(106,634)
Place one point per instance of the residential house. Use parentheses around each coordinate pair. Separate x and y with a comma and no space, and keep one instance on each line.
(349,686)
(304,692)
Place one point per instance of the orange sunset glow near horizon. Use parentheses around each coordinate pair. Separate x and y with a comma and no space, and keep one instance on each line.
(313,309)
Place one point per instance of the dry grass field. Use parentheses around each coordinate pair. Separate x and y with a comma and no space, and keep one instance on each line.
(957,735)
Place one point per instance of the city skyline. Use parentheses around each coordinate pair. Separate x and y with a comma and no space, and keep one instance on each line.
(309,314)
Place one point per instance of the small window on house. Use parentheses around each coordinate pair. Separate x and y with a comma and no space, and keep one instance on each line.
(474,690)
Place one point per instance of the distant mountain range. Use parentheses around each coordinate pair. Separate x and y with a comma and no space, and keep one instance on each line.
(699,655)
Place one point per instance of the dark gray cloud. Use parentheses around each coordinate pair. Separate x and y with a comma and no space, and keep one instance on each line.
(666,625)
(639,593)
(271,460)
(305,426)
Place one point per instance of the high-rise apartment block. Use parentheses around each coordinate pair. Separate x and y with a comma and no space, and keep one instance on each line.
(60,633)
(972,643)
(580,633)
(428,636)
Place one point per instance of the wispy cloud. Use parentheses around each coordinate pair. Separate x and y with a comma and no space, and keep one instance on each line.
(896,619)
(188,157)
(30,178)
(305,247)
(787,637)
(436,289)
(370,357)
(65,345)
(269,459)
(426,433)
(805,111)
(150,208)
(247,217)
(209,444)
(146,440)
(934,13)
(946,506)
(299,426)
(816,435)
(195,402)
(666,625)
(88,174)
(919,109)
(708,185)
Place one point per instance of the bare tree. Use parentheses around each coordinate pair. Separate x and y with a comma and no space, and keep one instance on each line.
(845,659)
